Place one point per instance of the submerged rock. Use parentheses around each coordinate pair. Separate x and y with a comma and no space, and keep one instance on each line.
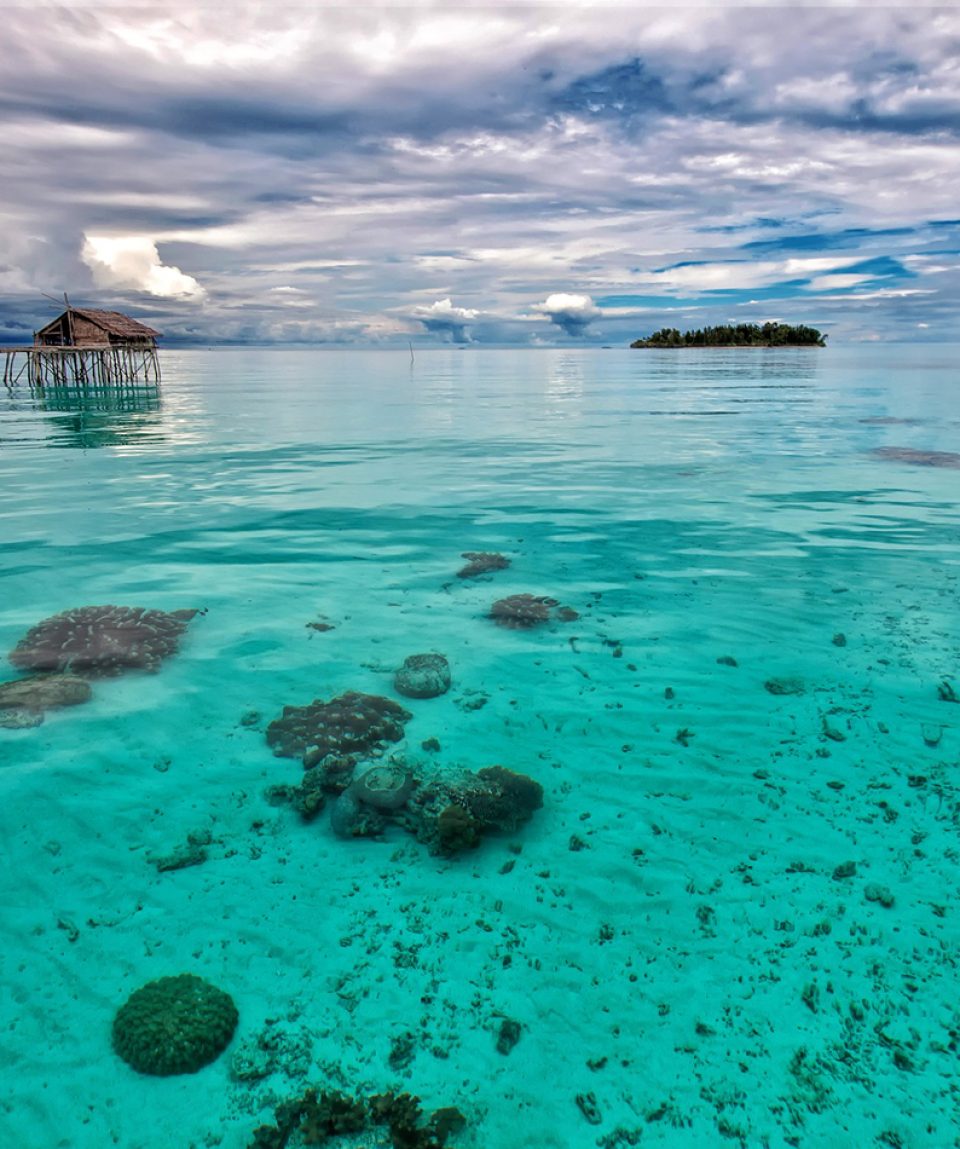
(102,640)
(508,1035)
(44,692)
(877,893)
(589,1107)
(423,676)
(308,799)
(20,719)
(348,819)
(351,723)
(382,790)
(780,686)
(192,852)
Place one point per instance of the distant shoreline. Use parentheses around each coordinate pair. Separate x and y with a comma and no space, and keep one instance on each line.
(728,335)
(724,346)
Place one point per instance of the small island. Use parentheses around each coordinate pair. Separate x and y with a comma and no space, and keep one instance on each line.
(741,335)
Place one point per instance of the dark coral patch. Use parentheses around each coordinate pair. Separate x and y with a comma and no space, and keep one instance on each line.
(351,723)
(917,458)
(321,1116)
(508,799)
(456,830)
(524,611)
(102,640)
(521,611)
(452,812)
(481,563)
(449,810)
(174,1025)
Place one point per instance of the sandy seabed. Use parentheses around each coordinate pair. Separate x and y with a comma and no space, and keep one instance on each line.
(732,921)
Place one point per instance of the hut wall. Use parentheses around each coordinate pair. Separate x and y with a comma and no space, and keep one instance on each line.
(87,334)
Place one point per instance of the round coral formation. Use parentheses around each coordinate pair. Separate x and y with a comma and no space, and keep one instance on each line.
(423,676)
(174,1025)
(383,787)
(101,640)
(362,809)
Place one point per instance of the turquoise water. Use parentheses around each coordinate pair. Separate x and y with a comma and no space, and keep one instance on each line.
(670,931)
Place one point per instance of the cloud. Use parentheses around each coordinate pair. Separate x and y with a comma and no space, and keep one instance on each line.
(747,275)
(571,313)
(444,319)
(132,261)
(358,158)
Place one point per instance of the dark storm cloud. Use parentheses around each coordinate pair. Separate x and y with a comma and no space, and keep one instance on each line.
(862,115)
(215,119)
(570,324)
(218,118)
(454,332)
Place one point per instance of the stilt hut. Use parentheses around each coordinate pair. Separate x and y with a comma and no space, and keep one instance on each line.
(87,327)
(87,346)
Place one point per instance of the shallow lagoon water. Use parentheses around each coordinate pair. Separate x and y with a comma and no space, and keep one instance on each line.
(671,931)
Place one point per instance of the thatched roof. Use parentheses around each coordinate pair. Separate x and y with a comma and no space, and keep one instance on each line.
(116,323)
(113,322)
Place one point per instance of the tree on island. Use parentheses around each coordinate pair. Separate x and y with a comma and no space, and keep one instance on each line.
(741,335)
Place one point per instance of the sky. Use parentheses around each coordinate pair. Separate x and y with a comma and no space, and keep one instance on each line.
(534,175)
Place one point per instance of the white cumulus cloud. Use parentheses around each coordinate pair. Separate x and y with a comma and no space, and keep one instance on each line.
(572,313)
(133,262)
(444,309)
(444,318)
